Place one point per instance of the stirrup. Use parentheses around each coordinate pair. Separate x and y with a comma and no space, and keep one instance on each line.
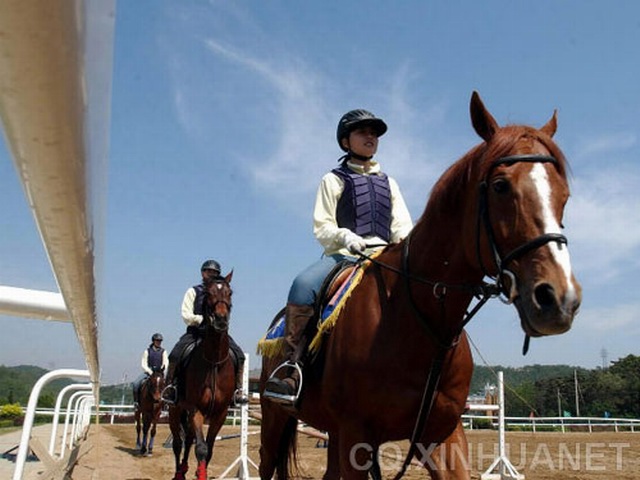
(281,398)
(169,394)
(239,398)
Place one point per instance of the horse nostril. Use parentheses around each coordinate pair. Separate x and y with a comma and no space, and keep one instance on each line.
(544,295)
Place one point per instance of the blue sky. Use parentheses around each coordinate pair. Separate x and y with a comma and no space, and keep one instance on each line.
(223,121)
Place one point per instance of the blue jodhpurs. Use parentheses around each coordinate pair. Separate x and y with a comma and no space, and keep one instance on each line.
(306,286)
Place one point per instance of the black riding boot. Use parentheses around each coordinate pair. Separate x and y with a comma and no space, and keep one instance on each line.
(136,398)
(170,392)
(285,390)
(239,397)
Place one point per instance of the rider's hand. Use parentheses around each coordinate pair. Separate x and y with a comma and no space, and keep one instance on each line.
(354,243)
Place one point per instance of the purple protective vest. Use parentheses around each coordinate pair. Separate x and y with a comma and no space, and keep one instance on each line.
(365,204)
(154,359)
(199,300)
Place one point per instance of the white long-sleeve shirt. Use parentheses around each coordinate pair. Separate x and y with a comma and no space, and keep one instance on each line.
(144,362)
(325,223)
(190,318)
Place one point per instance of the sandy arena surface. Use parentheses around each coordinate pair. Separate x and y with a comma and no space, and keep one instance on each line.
(539,456)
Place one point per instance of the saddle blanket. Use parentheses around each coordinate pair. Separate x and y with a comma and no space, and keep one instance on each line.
(272,343)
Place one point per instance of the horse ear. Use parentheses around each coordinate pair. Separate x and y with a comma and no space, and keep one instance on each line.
(229,277)
(483,122)
(550,127)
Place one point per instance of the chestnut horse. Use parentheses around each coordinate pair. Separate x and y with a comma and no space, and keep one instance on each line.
(397,364)
(148,411)
(209,381)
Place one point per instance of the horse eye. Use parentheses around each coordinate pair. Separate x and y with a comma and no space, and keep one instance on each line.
(501,186)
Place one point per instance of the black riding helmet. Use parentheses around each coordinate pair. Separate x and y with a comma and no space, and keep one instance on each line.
(210,265)
(156,336)
(357,119)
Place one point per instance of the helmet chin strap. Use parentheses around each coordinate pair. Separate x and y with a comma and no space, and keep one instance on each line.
(351,154)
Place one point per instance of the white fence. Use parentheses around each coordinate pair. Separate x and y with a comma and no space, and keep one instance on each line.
(563,424)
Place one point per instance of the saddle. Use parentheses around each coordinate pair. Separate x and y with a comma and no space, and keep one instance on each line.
(332,287)
(185,360)
(185,357)
(330,290)
(328,297)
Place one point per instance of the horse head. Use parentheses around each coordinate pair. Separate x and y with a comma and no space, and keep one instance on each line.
(523,189)
(155,385)
(218,302)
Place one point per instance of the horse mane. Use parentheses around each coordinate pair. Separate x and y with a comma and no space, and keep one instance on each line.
(447,193)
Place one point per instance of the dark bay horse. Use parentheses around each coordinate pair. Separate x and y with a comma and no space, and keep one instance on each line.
(148,411)
(209,381)
(397,364)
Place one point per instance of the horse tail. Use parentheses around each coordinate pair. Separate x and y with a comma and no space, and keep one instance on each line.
(287,466)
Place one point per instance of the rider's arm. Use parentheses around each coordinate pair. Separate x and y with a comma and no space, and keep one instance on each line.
(188,316)
(401,223)
(165,360)
(144,363)
(325,223)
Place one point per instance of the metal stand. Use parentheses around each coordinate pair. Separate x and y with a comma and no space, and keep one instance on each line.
(243,461)
(501,468)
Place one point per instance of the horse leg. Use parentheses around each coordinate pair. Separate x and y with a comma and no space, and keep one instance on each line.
(152,433)
(145,433)
(215,424)
(333,459)
(175,424)
(197,423)
(277,431)
(138,428)
(450,459)
(374,472)
(188,442)
(355,452)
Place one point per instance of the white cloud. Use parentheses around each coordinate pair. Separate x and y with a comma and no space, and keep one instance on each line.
(302,154)
(605,144)
(304,151)
(603,220)
(613,318)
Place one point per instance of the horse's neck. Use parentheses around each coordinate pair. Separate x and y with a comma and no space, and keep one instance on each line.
(441,252)
(441,249)
(215,346)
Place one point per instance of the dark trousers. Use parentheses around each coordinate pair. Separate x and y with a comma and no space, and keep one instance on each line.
(190,337)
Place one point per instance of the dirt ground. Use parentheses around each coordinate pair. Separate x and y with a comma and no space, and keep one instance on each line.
(539,456)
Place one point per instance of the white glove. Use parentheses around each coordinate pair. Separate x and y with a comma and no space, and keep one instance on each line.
(354,243)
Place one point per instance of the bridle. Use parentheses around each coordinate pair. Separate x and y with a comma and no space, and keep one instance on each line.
(153,384)
(218,326)
(502,262)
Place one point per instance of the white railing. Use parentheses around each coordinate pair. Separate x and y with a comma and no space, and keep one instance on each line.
(534,424)
(25,439)
(56,411)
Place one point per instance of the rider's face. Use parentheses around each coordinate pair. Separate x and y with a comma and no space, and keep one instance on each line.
(209,275)
(363,141)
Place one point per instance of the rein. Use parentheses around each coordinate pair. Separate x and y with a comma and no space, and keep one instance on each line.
(483,291)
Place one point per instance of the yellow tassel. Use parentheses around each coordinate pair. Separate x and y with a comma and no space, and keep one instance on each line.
(327,325)
(271,347)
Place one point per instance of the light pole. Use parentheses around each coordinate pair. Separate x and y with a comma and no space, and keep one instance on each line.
(124,385)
